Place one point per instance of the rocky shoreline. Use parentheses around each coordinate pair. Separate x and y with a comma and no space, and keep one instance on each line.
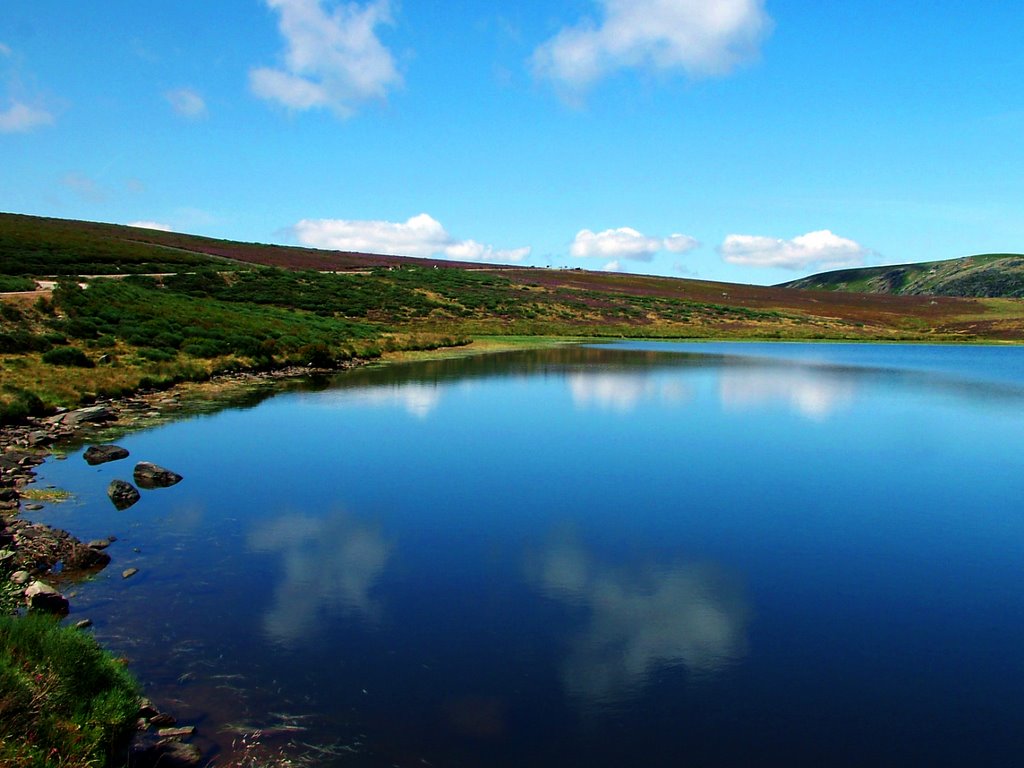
(33,554)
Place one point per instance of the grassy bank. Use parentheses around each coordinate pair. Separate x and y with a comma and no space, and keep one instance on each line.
(63,701)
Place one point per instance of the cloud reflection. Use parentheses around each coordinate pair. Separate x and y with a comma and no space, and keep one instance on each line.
(330,563)
(691,614)
(416,398)
(622,392)
(811,393)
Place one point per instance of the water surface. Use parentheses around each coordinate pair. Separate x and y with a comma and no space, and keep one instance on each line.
(633,554)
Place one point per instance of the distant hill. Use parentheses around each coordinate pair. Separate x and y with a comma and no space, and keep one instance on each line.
(990,275)
(36,245)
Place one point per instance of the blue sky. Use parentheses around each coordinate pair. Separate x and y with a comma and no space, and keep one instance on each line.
(726,139)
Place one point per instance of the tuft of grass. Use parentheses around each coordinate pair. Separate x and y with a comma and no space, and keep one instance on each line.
(63,700)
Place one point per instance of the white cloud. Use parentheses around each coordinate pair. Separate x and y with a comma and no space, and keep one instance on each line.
(611,266)
(151,225)
(21,118)
(187,103)
(821,248)
(333,57)
(626,243)
(421,236)
(698,37)
(84,187)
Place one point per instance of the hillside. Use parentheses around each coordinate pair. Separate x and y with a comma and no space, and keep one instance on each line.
(989,275)
(90,310)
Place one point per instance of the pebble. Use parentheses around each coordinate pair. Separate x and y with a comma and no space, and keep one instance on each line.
(127,573)
(83,624)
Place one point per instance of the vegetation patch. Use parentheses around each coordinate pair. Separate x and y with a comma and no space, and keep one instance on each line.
(63,701)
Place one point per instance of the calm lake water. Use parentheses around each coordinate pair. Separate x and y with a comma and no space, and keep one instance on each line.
(626,555)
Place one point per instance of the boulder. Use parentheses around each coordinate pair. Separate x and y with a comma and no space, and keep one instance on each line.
(85,558)
(42,597)
(100,454)
(94,414)
(168,753)
(149,476)
(122,493)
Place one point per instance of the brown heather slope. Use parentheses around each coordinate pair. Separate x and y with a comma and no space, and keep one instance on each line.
(529,300)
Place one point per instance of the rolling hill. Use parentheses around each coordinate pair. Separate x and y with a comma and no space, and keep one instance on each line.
(988,275)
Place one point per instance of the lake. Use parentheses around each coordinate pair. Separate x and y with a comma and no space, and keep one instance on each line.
(635,554)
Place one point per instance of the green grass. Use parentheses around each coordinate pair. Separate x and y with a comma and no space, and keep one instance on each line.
(63,701)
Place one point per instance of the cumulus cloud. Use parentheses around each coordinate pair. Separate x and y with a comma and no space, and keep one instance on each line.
(821,249)
(697,37)
(186,103)
(21,118)
(627,243)
(420,235)
(611,266)
(151,225)
(333,57)
(642,619)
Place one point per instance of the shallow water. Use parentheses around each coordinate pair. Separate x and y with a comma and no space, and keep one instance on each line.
(633,554)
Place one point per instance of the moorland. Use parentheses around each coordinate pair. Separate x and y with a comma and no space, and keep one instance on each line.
(92,310)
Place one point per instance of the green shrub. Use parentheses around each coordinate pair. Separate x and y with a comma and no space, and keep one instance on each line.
(70,356)
(22,341)
(63,700)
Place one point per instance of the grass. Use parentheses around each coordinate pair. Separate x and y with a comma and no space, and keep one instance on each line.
(63,701)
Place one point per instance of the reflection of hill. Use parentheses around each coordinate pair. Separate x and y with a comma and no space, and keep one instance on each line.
(529,362)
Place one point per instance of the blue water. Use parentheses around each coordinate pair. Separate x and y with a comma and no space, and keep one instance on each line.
(634,554)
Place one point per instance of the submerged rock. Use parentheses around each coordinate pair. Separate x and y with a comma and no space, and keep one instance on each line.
(149,476)
(100,454)
(122,493)
(168,753)
(42,597)
(127,573)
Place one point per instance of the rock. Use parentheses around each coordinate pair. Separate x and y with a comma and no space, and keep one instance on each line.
(9,494)
(83,624)
(127,573)
(20,577)
(42,597)
(122,493)
(164,721)
(165,754)
(150,476)
(33,507)
(146,709)
(98,544)
(82,557)
(39,438)
(175,733)
(100,454)
(94,414)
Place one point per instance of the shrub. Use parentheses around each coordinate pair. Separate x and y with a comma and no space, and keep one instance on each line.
(63,700)
(17,404)
(70,356)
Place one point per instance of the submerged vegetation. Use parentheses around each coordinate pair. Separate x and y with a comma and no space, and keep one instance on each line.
(63,700)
